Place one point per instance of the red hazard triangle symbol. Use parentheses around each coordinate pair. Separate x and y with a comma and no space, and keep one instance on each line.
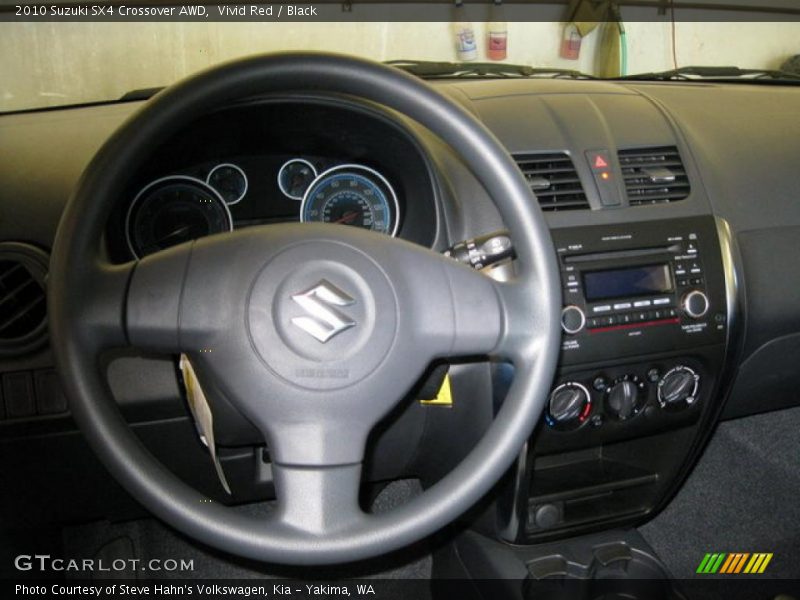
(600,162)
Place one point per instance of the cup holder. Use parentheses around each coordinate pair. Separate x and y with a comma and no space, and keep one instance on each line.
(612,571)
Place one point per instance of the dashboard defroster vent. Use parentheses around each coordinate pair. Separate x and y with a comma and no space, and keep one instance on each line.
(553,179)
(23,302)
(653,175)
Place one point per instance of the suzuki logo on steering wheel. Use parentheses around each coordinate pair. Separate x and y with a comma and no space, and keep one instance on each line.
(324,321)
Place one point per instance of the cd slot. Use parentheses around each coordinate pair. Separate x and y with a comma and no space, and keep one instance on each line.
(614,254)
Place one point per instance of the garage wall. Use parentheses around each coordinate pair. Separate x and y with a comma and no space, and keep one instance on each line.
(45,64)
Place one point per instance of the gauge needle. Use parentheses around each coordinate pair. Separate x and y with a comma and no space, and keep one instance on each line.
(177,232)
(347,217)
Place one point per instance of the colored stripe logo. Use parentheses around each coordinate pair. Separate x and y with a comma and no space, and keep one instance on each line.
(734,563)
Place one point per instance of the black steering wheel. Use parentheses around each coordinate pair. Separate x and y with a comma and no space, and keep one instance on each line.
(251,308)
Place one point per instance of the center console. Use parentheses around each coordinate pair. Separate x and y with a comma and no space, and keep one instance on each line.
(646,314)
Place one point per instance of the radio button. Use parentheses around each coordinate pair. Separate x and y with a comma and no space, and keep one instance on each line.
(661,301)
(622,306)
(602,308)
(641,303)
(573,319)
(695,304)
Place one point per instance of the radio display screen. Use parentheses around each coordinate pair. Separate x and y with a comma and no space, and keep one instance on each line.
(628,282)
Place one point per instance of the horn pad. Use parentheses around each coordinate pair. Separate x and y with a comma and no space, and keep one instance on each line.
(322,315)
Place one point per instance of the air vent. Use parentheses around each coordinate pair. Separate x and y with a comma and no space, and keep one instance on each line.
(553,179)
(23,303)
(653,175)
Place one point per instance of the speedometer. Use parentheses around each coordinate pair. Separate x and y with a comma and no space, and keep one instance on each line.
(173,210)
(352,195)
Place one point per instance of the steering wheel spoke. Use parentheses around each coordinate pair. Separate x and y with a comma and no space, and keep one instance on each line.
(465,313)
(525,324)
(154,299)
(476,310)
(318,499)
(101,310)
(316,468)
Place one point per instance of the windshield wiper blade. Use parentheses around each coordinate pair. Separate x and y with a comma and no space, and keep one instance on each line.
(433,70)
(719,73)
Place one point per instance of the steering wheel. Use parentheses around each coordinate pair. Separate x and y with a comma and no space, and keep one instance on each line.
(313,331)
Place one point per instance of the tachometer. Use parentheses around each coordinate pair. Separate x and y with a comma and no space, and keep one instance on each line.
(352,195)
(173,210)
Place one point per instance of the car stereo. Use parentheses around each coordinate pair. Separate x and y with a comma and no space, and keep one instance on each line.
(639,288)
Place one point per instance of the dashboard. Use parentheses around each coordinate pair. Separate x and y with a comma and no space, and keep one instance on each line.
(674,232)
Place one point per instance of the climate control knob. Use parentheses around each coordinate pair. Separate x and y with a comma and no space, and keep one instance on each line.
(570,404)
(678,388)
(622,398)
(695,304)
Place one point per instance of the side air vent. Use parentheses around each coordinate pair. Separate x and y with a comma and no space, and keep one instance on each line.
(23,303)
(553,179)
(653,175)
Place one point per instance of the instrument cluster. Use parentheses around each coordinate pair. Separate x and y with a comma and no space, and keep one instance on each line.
(215,198)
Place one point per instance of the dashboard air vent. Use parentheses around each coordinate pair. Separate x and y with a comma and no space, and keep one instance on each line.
(653,175)
(553,179)
(23,303)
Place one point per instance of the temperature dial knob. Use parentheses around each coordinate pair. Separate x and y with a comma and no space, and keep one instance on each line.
(623,398)
(570,404)
(678,388)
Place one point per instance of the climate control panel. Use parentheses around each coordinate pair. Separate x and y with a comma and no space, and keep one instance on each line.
(628,399)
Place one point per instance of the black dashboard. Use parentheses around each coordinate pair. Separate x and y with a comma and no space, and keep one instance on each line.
(680,198)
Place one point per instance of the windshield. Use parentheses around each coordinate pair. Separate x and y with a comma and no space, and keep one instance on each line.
(44,64)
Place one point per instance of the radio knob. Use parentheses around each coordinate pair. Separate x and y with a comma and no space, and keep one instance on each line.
(695,304)
(568,403)
(678,387)
(573,319)
(623,399)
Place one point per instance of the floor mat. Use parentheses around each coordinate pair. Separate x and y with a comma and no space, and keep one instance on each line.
(742,497)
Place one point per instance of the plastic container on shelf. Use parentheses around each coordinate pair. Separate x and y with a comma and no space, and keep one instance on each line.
(497,33)
(466,47)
